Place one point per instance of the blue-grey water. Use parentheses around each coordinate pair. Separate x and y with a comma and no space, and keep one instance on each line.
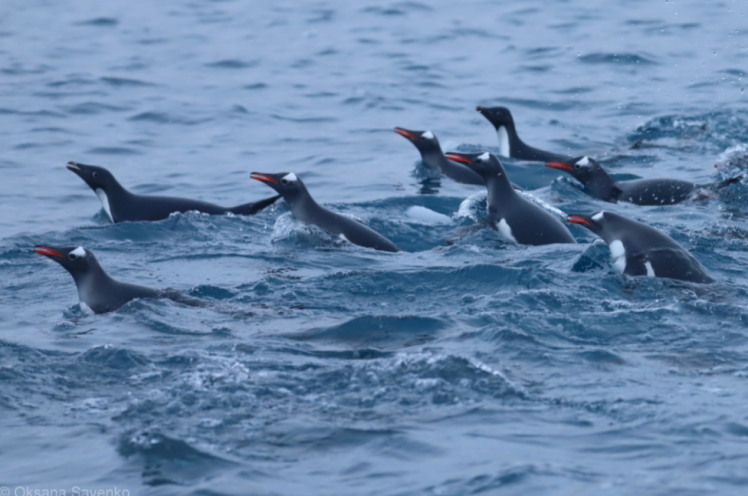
(463,365)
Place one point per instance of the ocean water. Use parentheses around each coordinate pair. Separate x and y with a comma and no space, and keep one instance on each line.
(463,365)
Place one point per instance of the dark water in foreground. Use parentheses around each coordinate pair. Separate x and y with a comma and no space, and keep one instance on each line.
(464,365)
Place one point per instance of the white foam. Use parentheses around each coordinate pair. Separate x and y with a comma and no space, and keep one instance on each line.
(290,177)
(504,148)
(734,156)
(650,269)
(485,156)
(427,216)
(470,205)
(545,206)
(428,135)
(104,202)
(598,216)
(288,228)
(85,308)
(618,254)
(79,252)
(583,161)
(506,230)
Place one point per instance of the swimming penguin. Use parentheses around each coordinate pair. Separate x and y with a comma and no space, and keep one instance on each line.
(96,289)
(640,250)
(304,208)
(516,218)
(121,205)
(509,143)
(435,161)
(598,182)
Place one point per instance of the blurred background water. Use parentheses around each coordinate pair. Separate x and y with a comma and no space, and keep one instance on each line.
(463,365)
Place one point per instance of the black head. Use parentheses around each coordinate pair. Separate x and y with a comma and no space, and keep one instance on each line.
(425,141)
(498,116)
(584,169)
(485,164)
(287,184)
(76,259)
(96,177)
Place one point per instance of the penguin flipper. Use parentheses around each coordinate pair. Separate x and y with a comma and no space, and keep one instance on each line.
(725,183)
(178,297)
(253,208)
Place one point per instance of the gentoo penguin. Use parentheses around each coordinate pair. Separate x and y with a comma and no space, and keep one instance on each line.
(516,218)
(121,205)
(304,208)
(639,250)
(598,182)
(509,143)
(96,289)
(433,157)
(435,161)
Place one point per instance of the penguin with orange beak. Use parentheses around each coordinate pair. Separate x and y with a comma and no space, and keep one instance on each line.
(640,250)
(304,208)
(96,289)
(515,217)
(600,184)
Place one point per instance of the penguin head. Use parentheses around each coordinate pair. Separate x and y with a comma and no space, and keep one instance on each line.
(96,177)
(485,164)
(287,184)
(498,116)
(607,225)
(425,141)
(583,169)
(76,259)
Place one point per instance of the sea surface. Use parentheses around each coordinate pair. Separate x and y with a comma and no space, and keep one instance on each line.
(464,364)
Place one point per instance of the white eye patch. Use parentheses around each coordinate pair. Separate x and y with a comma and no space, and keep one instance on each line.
(598,216)
(79,252)
(584,161)
(428,135)
(290,177)
(485,156)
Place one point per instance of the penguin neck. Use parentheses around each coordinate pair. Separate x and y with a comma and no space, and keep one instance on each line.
(433,160)
(115,190)
(92,283)
(601,185)
(499,187)
(303,206)
(113,195)
(509,142)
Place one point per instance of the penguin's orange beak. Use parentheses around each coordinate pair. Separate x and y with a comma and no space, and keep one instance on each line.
(577,219)
(559,165)
(263,177)
(458,158)
(405,133)
(48,252)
